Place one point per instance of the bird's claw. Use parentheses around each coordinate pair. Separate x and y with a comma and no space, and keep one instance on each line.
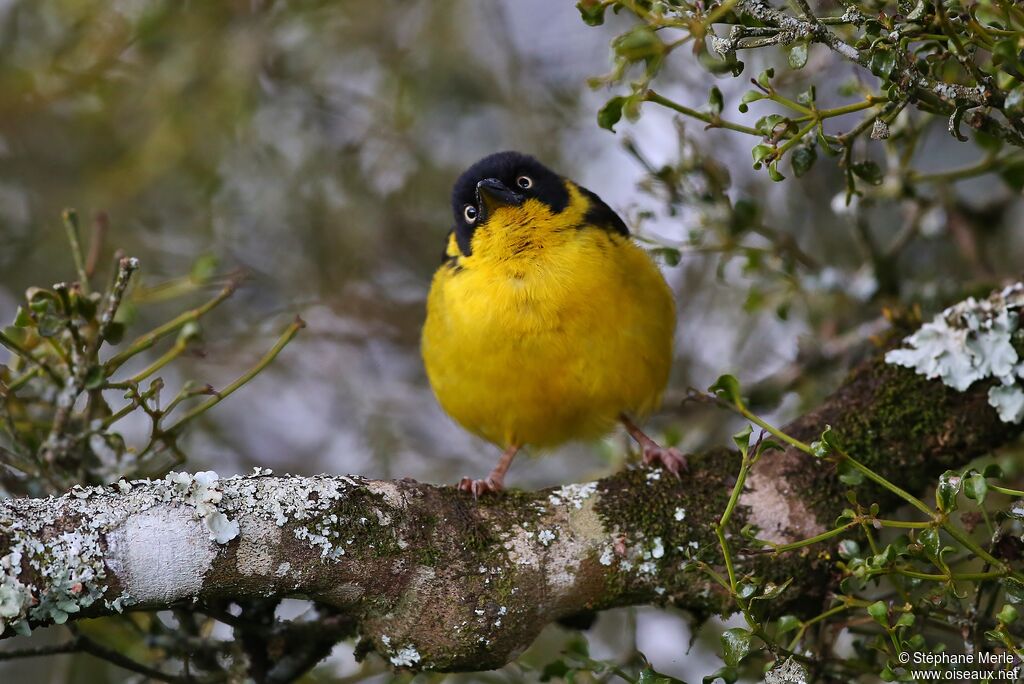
(670,458)
(479,487)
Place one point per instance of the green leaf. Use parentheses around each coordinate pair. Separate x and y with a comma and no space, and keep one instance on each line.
(670,256)
(829,437)
(744,216)
(751,96)
(993,470)
(1014,589)
(765,77)
(773,590)
(770,445)
(808,96)
(115,333)
(947,491)
(882,63)
(22,318)
(1008,614)
(848,549)
(727,674)
(1014,103)
(929,540)
(554,670)
(802,159)
(715,100)
(1013,175)
(848,474)
(86,306)
(905,620)
(727,387)
(742,439)
(49,325)
(868,171)
(759,152)
(592,12)
(16,335)
(975,487)
(649,676)
(774,173)
(746,589)
(825,145)
(641,42)
(997,635)
(578,646)
(1006,53)
(786,624)
(766,125)
(611,113)
(94,377)
(848,515)
(880,612)
(735,645)
(798,56)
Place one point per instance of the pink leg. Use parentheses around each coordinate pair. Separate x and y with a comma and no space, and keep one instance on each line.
(671,459)
(495,482)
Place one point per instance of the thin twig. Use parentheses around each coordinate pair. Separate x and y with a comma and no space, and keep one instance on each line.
(100,224)
(285,338)
(149,339)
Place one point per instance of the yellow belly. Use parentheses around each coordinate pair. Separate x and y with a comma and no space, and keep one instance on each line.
(552,346)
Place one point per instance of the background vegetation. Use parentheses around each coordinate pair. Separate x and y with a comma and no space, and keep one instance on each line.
(313,146)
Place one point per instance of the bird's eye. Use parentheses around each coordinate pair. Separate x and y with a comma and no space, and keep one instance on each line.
(470,213)
(525,182)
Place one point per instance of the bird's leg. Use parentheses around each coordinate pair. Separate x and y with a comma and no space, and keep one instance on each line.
(671,459)
(495,482)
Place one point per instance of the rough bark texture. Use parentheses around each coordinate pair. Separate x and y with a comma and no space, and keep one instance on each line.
(436,580)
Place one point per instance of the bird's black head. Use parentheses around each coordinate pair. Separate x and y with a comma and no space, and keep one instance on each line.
(500,180)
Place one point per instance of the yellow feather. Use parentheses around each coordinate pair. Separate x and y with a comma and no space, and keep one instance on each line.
(549,330)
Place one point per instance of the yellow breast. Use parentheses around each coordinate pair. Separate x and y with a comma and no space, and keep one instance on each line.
(549,330)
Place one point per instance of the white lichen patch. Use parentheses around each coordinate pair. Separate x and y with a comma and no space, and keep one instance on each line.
(973,341)
(572,495)
(680,514)
(161,555)
(789,672)
(203,491)
(407,656)
(159,539)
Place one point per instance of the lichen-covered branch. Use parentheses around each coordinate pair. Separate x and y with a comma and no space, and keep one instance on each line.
(434,579)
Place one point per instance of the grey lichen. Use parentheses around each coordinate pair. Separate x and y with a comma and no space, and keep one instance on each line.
(572,495)
(788,672)
(970,342)
(155,540)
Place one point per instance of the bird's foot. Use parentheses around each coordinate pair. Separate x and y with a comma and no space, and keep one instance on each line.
(480,487)
(670,458)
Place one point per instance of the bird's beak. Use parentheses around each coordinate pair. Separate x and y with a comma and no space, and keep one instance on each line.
(491,195)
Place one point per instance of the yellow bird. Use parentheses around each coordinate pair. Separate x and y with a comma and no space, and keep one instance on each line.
(545,322)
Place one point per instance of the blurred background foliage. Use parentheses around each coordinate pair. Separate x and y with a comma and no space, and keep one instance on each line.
(313,144)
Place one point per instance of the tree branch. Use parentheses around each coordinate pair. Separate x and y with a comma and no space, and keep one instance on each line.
(436,580)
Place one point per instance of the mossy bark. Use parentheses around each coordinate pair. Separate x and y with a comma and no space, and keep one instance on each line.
(436,580)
